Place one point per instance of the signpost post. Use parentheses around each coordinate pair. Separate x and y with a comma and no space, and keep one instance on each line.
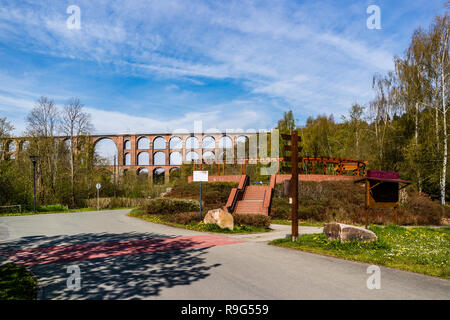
(294,149)
(98,186)
(200,176)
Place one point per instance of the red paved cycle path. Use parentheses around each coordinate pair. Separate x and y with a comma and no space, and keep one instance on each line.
(78,252)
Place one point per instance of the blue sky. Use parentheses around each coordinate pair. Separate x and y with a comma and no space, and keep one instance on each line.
(157,66)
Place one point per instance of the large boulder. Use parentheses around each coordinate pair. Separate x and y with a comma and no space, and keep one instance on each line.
(220,217)
(346,232)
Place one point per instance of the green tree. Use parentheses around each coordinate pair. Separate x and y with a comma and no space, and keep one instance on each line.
(75,123)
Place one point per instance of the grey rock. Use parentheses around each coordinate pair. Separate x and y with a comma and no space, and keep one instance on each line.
(346,232)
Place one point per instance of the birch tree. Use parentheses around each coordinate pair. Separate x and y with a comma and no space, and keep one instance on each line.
(435,68)
(42,123)
(74,124)
(383,108)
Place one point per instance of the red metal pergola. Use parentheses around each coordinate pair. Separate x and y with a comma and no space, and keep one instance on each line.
(341,165)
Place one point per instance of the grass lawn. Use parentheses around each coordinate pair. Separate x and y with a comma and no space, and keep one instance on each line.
(422,250)
(29,213)
(304,223)
(197,226)
(17,283)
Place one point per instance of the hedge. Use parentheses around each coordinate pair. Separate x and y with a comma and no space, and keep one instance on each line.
(170,206)
(257,220)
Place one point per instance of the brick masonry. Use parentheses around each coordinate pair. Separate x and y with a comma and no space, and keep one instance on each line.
(15,146)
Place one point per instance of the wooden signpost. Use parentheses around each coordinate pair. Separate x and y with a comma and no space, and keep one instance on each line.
(382,191)
(294,149)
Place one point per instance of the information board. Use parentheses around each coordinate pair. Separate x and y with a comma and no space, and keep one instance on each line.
(200,176)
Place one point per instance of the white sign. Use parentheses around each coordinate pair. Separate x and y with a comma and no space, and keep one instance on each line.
(98,186)
(290,200)
(201,176)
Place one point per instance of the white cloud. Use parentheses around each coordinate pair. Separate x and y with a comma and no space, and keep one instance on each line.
(221,117)
(302,54)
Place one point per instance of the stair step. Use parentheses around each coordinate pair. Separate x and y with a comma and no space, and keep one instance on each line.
(249,206)
(254,193)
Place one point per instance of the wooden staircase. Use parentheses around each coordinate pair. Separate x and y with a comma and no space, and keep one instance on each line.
(251,199)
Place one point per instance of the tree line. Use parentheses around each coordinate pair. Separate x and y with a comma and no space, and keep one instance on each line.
(405,127)
(66,168)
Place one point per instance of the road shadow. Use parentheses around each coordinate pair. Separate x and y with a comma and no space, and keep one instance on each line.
(124,271)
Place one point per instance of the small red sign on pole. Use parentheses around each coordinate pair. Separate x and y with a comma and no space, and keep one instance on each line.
(382,174)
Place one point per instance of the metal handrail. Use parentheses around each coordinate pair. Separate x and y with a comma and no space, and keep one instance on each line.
(237,193)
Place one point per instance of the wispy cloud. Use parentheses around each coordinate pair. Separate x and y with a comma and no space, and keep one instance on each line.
(239,115)
(310,56)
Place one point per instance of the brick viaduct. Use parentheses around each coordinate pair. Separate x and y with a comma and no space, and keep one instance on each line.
(147,153)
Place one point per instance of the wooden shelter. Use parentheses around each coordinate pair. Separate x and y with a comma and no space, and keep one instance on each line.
(382,191)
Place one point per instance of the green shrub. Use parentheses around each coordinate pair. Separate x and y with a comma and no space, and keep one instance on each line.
(343,201)
(184,217)
(212,197)
(281,209)
(210,227)
(52,207)
(110,203)
(420,210)
(256,220)
(214,194)
(170,206)
(17,283)
(126,202)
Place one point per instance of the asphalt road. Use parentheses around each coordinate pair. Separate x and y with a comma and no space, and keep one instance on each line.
(119,257)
